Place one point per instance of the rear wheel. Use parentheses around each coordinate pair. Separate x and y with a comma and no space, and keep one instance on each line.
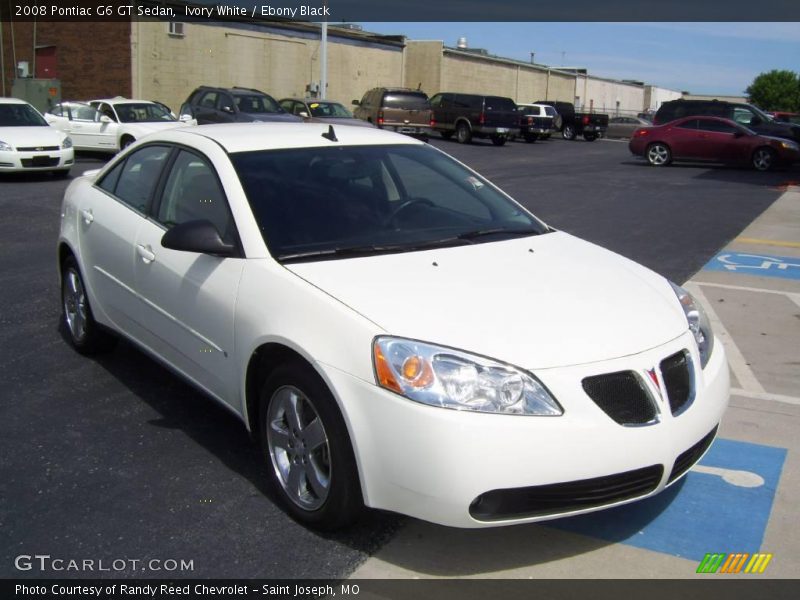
(446,134)
(307,446)
(569,132)
(763,159)
(86,336)
(125,142)
(499,140)
(463,133)
(658,154)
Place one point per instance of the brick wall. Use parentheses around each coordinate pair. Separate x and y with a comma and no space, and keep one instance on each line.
(93,60)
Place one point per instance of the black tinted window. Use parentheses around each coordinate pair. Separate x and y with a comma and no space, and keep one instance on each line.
(497,103)
(139,176)
(20,115)
(690,124)
(718,126)
(109,181)
(414,100)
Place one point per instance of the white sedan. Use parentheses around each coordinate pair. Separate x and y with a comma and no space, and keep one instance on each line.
(113,124)
(28,143)
(395,330)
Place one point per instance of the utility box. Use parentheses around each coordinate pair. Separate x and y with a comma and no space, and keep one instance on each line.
(41,93)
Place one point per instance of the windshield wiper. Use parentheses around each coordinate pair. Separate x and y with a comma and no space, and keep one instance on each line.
(471,235)
(368,250)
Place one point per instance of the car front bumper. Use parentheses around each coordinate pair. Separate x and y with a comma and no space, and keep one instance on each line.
(47,160)
(435,464)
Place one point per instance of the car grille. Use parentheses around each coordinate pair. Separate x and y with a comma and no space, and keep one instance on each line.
(687,459)
(40,161)
(677,373)
(557,498)
(622,396)
(37,149)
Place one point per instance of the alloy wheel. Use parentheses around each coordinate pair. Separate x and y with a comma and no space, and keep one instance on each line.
(658,155)
(762,159)
(74,299)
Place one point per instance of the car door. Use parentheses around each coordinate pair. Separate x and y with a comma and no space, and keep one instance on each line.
(205,110)
(58,117)
(684,140)
(109,220)
(724,142)
(189,298)
(226,108)
(89,131)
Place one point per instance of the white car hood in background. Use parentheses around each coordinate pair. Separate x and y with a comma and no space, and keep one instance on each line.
(31,136)
(145,127)
(568,302)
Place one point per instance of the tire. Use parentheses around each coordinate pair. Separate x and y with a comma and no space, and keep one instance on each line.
(499,140)
(569,132)
(446,135)
(126,141)
(658,154)
(311,467)
(463,133)
(590,137)
(83,332)
(763,159)
(530,137)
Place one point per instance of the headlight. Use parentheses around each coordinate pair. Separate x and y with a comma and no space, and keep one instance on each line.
(4,147)
(453,379)
(698,323)
(790,145)
(67,143)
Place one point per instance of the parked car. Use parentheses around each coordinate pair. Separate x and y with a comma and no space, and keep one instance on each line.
(314,110)
(711,139)
(233,105)
(28,143)
(537,121)
(623,127)
(786,117)
(743,114)
(590,125)
(397,109)
(474,116)
(110,125)
(395,330)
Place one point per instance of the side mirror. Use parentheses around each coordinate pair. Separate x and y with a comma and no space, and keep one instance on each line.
(356,103)
(197,236)
(105,119)
(186,118)
(303,114)
(227,109)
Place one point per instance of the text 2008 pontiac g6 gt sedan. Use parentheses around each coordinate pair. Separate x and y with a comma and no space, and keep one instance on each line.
(395,330)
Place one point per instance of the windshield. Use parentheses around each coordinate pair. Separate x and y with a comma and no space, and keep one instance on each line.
(329,109)
(315,203)
(142,113)
(20,115)
(256,103)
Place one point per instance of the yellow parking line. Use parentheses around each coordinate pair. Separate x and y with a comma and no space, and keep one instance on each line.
(745,240)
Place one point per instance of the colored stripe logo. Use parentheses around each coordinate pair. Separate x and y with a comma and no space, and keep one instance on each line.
(734,563)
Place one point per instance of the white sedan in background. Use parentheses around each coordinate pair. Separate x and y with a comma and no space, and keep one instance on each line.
(395,330)
(28,143)
(111,124)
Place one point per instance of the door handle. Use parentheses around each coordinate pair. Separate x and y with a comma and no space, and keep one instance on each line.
(146,253)
(87,215)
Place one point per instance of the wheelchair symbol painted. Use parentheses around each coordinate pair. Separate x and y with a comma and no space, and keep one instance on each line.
(756,264)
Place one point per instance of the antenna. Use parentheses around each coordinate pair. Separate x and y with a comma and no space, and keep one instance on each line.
(330,134)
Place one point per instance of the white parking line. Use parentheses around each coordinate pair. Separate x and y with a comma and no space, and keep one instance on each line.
(766,396)
(744,374)
(793,296)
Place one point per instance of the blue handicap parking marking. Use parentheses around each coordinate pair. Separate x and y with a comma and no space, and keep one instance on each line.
(722,505)
(785,267)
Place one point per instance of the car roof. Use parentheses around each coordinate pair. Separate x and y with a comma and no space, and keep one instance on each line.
(248,137)
(12,101)
(121,100)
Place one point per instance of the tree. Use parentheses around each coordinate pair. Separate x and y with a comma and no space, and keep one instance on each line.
(776,90)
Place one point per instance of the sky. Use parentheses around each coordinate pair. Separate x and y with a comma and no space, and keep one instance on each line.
(701,58)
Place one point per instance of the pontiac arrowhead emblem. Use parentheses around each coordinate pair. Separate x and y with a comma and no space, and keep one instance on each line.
(654,378)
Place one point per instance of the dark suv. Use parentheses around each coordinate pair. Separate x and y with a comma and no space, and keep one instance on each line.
(397,109)
(233,105)
(472,115)
(744,114)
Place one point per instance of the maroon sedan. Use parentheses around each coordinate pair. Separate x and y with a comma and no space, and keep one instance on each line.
(711,139)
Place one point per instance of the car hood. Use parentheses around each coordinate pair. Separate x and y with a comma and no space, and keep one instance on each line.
(537,302)
(31,136)
(273,117)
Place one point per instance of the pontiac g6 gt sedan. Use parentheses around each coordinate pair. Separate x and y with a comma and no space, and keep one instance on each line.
(396,331)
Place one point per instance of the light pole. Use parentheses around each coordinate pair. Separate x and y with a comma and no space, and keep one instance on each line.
(323,56)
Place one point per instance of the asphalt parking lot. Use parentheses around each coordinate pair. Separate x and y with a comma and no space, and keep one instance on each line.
(115,458)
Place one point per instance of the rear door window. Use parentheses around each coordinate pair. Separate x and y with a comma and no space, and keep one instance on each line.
(497,103)
(717,126)
(139,176)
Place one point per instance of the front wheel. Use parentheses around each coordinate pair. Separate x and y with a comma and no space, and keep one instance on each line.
(499,140)
(85,335)
(307,446)
(568,133)
(658,154)
(125,142)
(763,159)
